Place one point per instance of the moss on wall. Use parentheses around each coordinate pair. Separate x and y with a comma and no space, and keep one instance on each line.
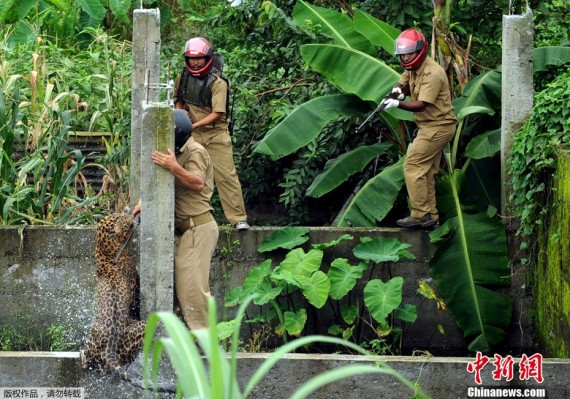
(552,275)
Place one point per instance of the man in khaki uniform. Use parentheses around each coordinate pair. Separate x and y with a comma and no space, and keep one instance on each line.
(426,82)
(196,230)
(202,91)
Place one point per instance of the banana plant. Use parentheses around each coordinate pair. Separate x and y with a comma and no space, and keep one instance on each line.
(363,78)
(348,64)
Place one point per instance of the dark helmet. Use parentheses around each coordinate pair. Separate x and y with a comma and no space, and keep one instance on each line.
(410,41)
(199,47)
(182,129)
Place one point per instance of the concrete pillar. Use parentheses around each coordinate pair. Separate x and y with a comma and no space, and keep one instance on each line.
(146,58)
(517,92)
(156,238)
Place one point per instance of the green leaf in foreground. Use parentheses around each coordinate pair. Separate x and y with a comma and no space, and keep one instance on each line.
(295,322)
(332,243)
(343,277)
(288,237)
(381,298)
(382,249)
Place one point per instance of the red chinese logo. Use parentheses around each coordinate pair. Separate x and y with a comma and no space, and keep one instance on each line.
(529,367)
(503,367)
(477,366)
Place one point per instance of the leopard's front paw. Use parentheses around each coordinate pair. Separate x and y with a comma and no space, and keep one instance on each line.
(84,359)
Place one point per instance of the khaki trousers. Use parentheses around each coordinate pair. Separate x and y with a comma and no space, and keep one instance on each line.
(192,257)
(219,147)
(421,166)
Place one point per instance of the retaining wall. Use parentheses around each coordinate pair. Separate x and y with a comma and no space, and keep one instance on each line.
(48,277)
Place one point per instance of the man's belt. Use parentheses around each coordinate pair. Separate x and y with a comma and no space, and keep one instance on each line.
(194,221)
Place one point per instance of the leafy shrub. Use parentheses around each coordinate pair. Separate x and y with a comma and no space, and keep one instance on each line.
(534,152)
(46,94)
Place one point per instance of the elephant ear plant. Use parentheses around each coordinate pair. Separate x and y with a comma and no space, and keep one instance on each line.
(299,287)
(214,375)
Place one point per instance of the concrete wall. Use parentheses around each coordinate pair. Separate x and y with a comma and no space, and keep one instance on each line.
(441,378)
(49,275)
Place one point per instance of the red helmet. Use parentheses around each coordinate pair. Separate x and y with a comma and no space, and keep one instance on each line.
(410,41)
(199,47)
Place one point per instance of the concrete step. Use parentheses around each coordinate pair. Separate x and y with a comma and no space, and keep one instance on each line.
(440,377)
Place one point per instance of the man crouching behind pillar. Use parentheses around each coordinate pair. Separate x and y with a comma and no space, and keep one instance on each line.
(196,230)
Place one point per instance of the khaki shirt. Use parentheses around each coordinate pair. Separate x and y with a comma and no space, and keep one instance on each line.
(194,158)
(219,89)
(429,83)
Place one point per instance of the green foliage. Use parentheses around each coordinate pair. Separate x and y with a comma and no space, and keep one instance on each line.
(373,202)
(534,152)
(306,122)
(471,258)
(297,287)
(382,298)
(192,378)
(21,333)
(288,238)
(403,14)
(45,95)
(340,169)
(552,23)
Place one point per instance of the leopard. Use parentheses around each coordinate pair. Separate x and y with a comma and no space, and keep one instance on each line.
(116,335)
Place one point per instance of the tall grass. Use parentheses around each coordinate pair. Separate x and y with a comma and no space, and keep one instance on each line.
(46,94)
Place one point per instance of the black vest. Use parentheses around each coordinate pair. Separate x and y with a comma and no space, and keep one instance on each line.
(198,91)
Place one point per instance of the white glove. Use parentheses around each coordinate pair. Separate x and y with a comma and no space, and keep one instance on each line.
(398,90)
(391,103)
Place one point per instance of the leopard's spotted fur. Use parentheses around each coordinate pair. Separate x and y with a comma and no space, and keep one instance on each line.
(116,336)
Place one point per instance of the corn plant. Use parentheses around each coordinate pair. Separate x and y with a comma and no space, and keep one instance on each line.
(191,369)
(46,94)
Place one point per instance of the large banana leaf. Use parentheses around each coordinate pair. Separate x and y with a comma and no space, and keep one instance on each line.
(306,121)
(334,24)
(375,199)
(483,91)
(470,259)
(93,8)
(352,71)
(484,145)
(543,57)
(378,32)
(338,170)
